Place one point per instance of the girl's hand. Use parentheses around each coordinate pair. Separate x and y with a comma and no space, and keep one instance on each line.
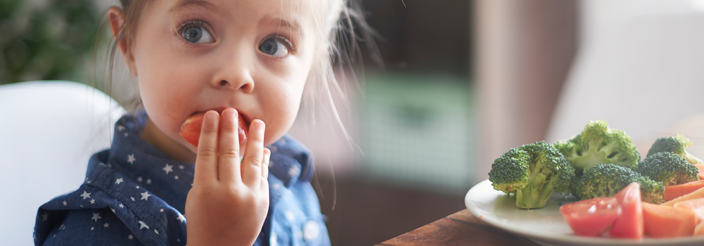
(228,202)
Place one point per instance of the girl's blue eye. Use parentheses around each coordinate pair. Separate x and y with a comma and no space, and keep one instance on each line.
(273,47)
(196,34)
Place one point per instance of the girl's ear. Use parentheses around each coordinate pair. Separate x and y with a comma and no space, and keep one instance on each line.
(117,21)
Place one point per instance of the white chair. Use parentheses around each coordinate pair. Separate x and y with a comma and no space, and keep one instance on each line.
(48,130)
(642,76)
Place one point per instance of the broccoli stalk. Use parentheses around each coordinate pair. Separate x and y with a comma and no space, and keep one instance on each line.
(677,144)
(532,172)
(598,144)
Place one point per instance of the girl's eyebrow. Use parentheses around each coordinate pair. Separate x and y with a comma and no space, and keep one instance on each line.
(192,3)
(292,25)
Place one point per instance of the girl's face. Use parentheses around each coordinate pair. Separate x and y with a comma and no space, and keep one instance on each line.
(191,56)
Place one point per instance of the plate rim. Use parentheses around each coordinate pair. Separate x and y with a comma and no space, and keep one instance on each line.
(574,239)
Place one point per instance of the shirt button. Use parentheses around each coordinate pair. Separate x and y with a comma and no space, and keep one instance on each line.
(311,230)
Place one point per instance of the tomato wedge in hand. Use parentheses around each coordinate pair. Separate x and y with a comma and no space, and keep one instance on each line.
(630,223)
(591,217)
(190,129)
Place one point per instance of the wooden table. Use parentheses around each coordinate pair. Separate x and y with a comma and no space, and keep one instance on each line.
(461,228)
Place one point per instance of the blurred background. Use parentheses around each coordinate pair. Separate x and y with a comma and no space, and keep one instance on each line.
(461,82)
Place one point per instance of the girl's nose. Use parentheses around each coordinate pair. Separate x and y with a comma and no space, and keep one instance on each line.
(235,73)
(246,86)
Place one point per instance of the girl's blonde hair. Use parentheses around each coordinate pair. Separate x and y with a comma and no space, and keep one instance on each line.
(339,25)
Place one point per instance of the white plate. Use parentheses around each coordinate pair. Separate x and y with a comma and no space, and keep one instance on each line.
(546,225)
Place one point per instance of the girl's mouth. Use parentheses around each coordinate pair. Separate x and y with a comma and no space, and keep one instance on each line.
(191,128)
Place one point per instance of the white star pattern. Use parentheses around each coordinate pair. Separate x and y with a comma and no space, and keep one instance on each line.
(96,217)
(149,181)
(130,158)
(118,181)
(130,237)
(293,171)
(180,166)
(45,216)
(142,225)
(168,168)
(106,225)
(273,239)
(120,128)
(290,216)
(181,218)
(121,206)
(81,205)
(62,227)
(85,195)
(92,201)
(136,187)
(155,231)
(65,203)
(161,210)
(132,198)
(92,228)
(113,210)
(145,196)
(125,134)
(139,179)
(176,177)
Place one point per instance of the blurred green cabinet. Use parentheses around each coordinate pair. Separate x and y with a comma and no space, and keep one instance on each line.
(419,131)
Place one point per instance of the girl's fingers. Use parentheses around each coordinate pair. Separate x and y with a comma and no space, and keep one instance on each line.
(229,160)
(206,159)
(265,170)
(253,155)
(265,166)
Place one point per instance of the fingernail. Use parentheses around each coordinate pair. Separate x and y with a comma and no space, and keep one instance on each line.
(211,115)
(232,114)
(261,127)
(267,156)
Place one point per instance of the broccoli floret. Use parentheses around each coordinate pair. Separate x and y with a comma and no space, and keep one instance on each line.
(598,144)
(668,168)
(532,172)
(677,145)
(605,180)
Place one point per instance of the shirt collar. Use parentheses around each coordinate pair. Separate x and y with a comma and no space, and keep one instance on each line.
(148,166)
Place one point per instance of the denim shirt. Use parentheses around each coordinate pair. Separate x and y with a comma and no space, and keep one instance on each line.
(134,194)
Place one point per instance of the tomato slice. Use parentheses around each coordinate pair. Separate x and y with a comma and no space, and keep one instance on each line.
(190,129)
(591,217)
(630,223)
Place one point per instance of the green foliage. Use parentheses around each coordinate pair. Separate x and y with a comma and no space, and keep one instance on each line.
(598,144)
(677,144)
(668,168)
(45,40)
(605,180)
(532,173)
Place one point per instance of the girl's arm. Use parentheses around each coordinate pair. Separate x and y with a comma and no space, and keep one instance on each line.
(229,200)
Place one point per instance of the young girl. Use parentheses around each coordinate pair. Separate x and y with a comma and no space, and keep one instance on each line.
(245,65)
